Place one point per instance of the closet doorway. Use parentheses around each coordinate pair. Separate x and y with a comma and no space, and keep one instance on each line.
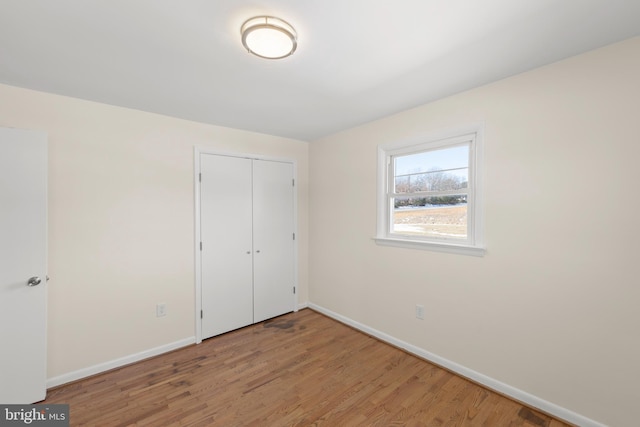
(245,238)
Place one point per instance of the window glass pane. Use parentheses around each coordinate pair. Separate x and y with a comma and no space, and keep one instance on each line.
(436,217)
(435,170)
(402,184)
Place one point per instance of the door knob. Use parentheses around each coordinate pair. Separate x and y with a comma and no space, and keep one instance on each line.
(34,281)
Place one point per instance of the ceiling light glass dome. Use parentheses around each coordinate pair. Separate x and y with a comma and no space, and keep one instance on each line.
(269,37)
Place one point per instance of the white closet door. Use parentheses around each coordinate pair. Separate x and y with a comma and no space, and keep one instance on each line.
(273,227)
(23,266)
(227,271)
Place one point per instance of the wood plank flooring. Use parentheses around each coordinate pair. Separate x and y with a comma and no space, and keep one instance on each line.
(300,369)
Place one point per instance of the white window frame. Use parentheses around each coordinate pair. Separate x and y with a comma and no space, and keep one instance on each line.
(474,244)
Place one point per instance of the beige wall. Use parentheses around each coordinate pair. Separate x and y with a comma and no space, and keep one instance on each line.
(552,309)
(121,221)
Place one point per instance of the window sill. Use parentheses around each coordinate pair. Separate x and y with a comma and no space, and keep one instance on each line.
(430,246)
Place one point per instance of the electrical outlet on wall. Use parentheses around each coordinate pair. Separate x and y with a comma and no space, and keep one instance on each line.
(420,312)
(161,309)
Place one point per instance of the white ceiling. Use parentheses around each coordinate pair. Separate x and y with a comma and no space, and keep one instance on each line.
(357,60)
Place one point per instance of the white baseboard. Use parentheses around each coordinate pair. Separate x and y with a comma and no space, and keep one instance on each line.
(303,305)
(491,383)
(103,367)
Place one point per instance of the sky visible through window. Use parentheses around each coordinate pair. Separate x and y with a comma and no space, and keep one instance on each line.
(446,158)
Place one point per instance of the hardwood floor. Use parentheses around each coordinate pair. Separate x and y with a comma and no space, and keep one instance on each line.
(300,369)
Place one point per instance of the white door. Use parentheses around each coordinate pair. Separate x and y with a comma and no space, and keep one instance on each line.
(273,228)
(246,229)
(226,236)
(23,270)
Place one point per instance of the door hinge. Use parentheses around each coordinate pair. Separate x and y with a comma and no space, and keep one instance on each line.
(200,245)
(294,289)
(201,314)
(200,177)
(294,236)
(293,182)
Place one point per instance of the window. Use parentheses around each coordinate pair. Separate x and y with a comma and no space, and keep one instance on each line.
(429,193)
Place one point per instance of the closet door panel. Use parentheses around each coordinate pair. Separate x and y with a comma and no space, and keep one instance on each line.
(273,227)
(226,235)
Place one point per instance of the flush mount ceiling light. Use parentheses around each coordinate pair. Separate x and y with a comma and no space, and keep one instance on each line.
(268,37)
